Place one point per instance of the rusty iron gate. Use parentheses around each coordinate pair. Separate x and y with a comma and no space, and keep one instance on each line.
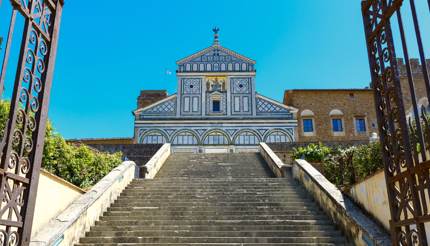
(22,139)
(404,129)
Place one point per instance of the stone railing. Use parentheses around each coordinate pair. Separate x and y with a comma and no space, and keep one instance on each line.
(151,168)
(81,214)
(276,164)
(358,227)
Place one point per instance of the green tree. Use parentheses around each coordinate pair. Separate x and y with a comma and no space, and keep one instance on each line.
(78,164)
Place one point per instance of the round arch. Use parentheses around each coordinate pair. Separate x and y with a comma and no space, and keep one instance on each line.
(278,136)
(185,137)
(336,112)
(307,113)
(216,137)
(247,137)
(153,137)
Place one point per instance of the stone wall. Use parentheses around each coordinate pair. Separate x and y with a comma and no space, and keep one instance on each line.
(106,141)
(148,97)
(351,102)
(139,153)
(419,83)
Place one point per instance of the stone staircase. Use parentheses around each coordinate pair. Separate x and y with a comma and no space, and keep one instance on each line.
(214,199)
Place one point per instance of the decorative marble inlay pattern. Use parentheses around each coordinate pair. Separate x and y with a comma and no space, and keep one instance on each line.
(191,86)
(264,106)
(241,85)
(167,107)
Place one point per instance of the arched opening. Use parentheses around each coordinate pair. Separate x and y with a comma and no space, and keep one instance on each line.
(153,137)
(247,137)
(278,136)
(185,137)
(216,137)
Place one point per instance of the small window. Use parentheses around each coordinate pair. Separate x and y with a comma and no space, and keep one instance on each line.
(216,106)
(337,125)
(308,125)
(360,125)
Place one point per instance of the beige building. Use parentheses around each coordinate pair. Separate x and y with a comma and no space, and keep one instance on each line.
(338,115)
(333,115)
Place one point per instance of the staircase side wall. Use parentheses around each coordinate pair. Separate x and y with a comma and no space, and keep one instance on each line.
(75,220)
(358,227)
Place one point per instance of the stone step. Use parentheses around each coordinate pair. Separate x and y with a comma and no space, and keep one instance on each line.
(266,182)
(129,222)
(216,190)
(211,244)
(206,213)
(121,203)
(289,227)
(187,233)
(150,217)
(278,239)
(279,199)
(198,194)
(172,207)
(213,200)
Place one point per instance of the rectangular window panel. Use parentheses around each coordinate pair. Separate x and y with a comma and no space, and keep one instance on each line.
(236,104)
(245,104)
(360,125)
(308,125)
(186,104)
(195,104)
(337,125)
(216,106)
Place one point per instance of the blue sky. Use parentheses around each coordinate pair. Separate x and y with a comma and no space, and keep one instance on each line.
(110,50)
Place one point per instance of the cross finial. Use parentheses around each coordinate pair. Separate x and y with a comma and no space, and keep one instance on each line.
(216,35)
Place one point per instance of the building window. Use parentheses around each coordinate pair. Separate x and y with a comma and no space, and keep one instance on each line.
(308,122)
(360,125)
(216,106)
(337,125)
(308,125)
(247,138)
(153,138)
(215,138)
(277,137)
(185,138)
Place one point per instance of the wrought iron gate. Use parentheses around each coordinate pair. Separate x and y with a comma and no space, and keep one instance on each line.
(22,143)
(405,136)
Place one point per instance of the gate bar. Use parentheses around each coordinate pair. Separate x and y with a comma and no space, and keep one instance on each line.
(7,50)
(420,47)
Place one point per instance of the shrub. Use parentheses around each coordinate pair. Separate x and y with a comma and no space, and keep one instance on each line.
(346,166)
(312,152)
(367,160)
(79,165)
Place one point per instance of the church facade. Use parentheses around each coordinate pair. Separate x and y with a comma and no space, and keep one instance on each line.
(216,104)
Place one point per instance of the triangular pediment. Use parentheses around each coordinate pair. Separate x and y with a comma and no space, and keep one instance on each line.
(269,106)
(165,107)
(215,53)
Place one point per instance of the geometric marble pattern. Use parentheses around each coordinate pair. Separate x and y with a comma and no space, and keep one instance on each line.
(163,108)
(241,85)
(264,106)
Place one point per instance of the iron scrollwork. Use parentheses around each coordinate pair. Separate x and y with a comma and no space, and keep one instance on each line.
(405,157)
(22,143)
